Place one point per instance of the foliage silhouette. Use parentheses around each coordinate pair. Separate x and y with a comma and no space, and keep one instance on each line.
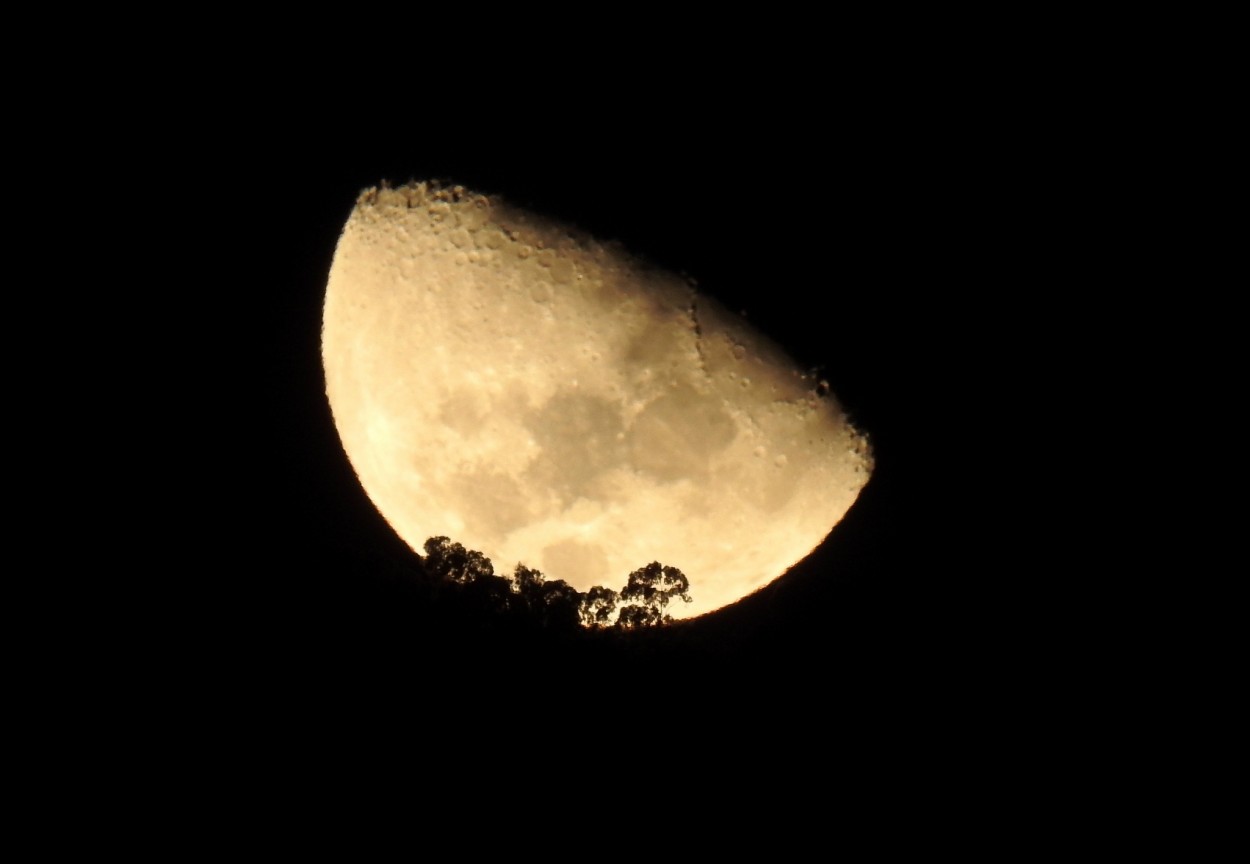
(648,593)
(456,563)
(529,600)
(597,606)
(633,617)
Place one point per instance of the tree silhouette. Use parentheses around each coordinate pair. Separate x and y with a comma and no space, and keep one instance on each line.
(455,563)
(597,606)
(560,604)
(529,599)
(528,587)
(648,593)
(633,617)
(553,605)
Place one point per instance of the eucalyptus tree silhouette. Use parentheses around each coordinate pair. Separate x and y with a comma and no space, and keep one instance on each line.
(647,594)
(530,598)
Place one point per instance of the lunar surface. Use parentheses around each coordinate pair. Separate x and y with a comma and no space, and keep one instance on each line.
(549,399)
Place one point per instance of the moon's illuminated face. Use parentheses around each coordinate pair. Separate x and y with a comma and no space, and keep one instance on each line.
(546,399)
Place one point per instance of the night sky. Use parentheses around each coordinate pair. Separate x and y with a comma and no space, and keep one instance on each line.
(897,220)
(848,253)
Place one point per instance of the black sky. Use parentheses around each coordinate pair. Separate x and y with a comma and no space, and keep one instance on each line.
(848,249)
(894,218)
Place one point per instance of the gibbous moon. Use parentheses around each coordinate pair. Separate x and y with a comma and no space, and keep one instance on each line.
(548,399)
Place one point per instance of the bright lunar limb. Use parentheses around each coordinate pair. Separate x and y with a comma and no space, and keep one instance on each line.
(549,399)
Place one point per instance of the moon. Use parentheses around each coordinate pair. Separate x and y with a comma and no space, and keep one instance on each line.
(549,399)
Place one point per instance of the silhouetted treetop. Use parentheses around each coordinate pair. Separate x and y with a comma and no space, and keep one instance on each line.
(456,563)
(647,595)
(597,606)
(554,605)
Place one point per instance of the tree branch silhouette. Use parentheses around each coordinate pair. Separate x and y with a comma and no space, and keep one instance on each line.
(529,598)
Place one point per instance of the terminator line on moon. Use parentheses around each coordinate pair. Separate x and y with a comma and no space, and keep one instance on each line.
(549,399)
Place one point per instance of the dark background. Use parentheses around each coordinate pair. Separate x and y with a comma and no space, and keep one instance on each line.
(932,224)
(861,248)
(897,218)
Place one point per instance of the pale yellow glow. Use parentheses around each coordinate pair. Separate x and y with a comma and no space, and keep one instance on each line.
(545,398)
